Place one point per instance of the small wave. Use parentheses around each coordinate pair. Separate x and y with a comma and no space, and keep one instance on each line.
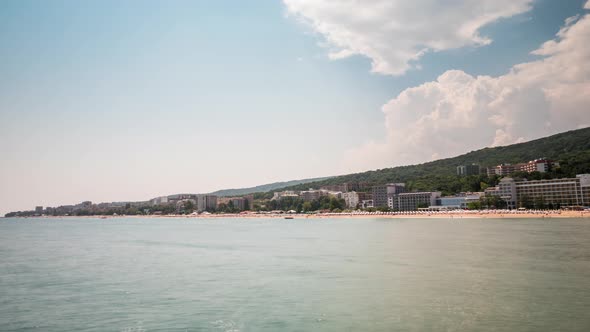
(137,328)
(226,326)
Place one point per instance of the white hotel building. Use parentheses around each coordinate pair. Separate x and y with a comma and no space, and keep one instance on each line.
(562,192)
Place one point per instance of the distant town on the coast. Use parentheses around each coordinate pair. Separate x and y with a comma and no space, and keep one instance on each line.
(506,188)
(496,181)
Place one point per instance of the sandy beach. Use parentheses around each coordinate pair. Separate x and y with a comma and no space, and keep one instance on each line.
(417,215)
(485,214)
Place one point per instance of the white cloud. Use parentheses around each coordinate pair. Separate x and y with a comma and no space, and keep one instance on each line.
(394,34)
(459,112)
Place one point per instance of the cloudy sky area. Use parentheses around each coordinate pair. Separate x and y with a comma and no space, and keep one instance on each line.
(112,101)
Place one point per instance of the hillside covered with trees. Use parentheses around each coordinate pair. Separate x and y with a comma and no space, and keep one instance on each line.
(571,149)
(264,187)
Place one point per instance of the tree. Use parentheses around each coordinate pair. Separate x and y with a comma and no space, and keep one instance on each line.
(188,207)
(474,205)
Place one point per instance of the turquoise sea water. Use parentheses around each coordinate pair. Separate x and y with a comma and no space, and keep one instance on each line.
(294,275)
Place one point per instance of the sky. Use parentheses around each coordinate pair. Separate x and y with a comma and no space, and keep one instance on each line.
(129,100)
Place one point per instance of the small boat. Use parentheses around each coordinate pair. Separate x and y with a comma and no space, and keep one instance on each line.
(288,217)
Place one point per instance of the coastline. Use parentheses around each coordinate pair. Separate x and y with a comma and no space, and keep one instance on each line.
(507,214)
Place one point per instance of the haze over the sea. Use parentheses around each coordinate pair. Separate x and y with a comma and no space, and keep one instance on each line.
(125,101)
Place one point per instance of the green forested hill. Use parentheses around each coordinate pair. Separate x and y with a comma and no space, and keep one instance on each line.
(571,149)
(264,187)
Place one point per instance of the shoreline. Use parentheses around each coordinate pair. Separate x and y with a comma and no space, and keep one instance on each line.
(380,215)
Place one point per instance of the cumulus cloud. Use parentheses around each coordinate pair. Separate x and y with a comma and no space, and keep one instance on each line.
(459,112)
(394,34)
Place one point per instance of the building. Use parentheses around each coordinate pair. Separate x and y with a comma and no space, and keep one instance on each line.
(179,197)
(555,192)
(223,200)
(337,194)
(381,193)
(283,194)
(310,195)
(206,202)
(358,186)
(459,201)
(335,187)
(346,187)
(38,210)
(353,199)
(464,170)
(455,202)
(64,209)
(238,203)
(412,201)
(159,200)
(249,201)
(368,203)
(537,165)
(506,190)
(543,193)
(501,170)
(584,188)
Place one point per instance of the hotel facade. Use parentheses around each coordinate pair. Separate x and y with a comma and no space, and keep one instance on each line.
(382,193)
(411,201)
(555,192)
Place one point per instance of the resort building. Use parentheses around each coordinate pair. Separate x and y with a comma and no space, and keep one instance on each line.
(464,170)
(249,201)
(501,170)
(412,201)
(337,194)
(368,203)
(537,165)
(206,202)
(159,200)
(240,203)
(346,187)
(283,194)
(383,192)
(554,192)
(459,201)
(353,198)
(336,187)
(310,195)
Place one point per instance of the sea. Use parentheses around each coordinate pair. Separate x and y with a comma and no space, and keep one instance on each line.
(242,274)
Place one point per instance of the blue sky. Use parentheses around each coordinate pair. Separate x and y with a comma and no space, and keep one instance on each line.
(110,100)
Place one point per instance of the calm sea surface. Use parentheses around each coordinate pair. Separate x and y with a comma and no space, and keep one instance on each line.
(294,275)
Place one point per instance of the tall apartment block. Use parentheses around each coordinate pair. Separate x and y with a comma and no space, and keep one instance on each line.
(464,170)
(382,192)
(206,202)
